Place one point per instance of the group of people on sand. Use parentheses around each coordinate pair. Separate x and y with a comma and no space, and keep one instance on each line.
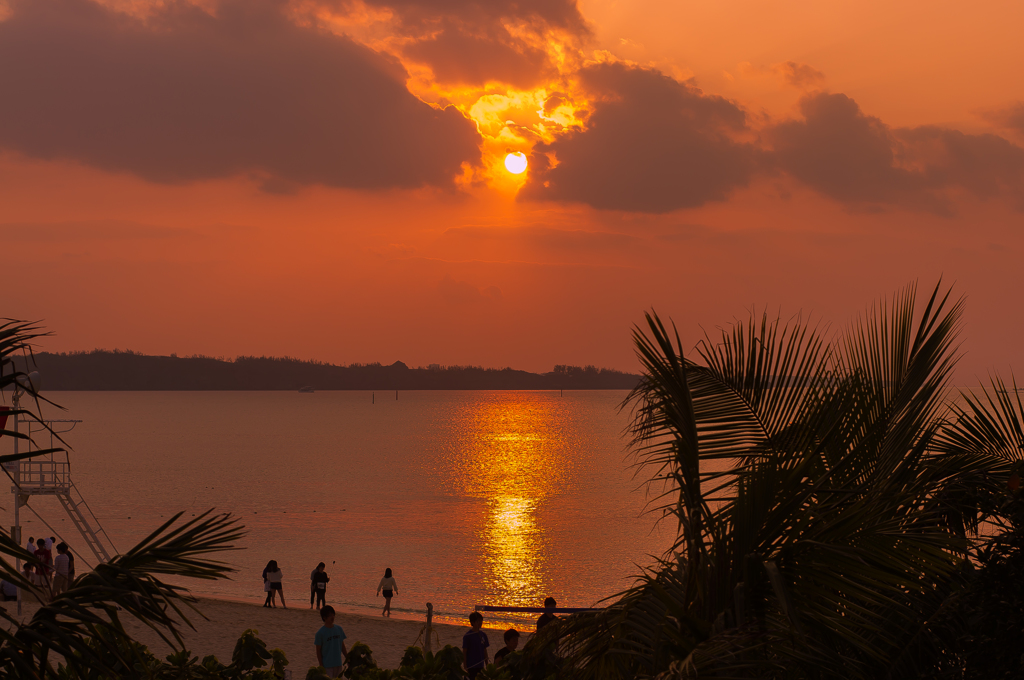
(318,580)
(331,651)
(475,642)
(49,573)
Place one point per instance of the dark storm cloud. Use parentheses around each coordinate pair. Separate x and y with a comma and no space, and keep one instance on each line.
(859,160)
(187,96)
(652,144)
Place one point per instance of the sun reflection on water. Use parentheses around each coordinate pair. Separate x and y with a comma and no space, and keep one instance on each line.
(513,456)
(511,537)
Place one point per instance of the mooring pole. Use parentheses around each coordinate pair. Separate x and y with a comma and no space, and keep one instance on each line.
(426,636)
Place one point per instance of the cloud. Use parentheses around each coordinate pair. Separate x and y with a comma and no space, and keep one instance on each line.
(799,75)
(841,152)
(859,160)
(559,13)
(474,42)
(465,293)
(101,230)
(458,56)
(796,74)
(652,144)
(545,238)
(1010,117)
(185,95)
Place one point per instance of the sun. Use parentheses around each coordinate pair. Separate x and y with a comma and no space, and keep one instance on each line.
(515,162)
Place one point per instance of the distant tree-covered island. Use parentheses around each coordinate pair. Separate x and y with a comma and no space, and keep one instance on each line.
(132,371)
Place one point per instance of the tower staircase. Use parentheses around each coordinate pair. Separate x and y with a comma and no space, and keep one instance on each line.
(50,475)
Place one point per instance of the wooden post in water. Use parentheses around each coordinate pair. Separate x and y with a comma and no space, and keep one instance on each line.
(396,395)
(426,637)
(373,397)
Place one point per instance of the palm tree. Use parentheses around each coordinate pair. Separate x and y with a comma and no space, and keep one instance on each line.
(817,484)
(84,625)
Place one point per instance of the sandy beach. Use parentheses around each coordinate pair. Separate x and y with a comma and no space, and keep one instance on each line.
(290,629)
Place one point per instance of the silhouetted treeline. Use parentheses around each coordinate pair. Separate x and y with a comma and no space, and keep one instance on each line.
(126,370)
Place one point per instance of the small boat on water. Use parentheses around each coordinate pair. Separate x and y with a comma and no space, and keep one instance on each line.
(308,389)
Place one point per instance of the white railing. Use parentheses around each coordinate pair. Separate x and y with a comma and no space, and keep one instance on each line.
(44,474)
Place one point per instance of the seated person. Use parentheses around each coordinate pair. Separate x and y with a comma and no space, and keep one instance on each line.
(8,590)
(511,642)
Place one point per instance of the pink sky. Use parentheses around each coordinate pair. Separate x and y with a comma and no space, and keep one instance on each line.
(324,180)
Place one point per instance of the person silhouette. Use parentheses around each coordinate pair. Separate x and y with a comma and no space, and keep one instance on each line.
(389,587)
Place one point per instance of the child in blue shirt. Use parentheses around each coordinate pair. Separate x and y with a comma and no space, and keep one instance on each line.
(330,643)
(474,646)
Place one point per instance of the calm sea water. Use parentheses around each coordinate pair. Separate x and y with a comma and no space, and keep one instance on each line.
(471,498)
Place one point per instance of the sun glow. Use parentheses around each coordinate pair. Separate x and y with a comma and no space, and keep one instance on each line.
(515,162)
(506,116)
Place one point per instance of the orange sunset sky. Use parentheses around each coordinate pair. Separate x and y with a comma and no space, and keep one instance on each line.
(324,179)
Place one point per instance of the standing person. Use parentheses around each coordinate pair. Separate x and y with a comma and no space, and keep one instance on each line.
(320,581)
(390,588)
(271,594)
(61,567)
(474,646)
(31,547)
(312,585)
(275,576)
(45,563)
(511,642)
(330,643)
(71,566)
(547,617)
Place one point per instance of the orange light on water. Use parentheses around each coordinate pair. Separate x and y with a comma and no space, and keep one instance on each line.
(513,458)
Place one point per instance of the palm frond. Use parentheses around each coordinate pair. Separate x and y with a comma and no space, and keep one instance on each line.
(94,606)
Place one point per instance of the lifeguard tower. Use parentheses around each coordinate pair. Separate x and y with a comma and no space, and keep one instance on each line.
(49,474)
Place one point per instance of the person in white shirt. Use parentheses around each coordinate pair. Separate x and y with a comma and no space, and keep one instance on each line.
(31,547)
(61,569)
(390,589)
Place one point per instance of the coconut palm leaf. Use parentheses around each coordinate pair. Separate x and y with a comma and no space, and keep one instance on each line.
(811,532)
(17,338)
(94,607)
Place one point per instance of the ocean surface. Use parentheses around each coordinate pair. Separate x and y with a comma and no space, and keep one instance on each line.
(498,498)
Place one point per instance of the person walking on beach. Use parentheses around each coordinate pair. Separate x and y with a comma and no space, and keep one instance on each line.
(320,580)
(272,576)
(275,576)
(330,643)
(389,587)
